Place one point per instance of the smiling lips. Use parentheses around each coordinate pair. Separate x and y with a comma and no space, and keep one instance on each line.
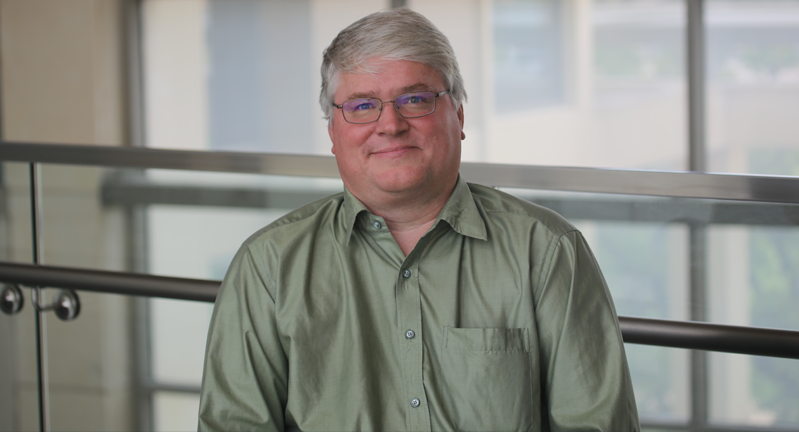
(393,151)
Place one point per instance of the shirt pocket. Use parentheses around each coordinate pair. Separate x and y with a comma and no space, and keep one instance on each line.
(486,375)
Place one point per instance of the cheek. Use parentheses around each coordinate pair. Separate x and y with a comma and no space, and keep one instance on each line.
(349,140)
(340,138)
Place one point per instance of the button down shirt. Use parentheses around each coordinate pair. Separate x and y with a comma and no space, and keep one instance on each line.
(498,319)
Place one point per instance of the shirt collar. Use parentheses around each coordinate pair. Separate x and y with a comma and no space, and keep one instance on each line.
(352,208)
(460,212)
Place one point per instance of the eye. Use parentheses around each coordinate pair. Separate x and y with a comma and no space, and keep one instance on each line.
(360,105)
(415,98)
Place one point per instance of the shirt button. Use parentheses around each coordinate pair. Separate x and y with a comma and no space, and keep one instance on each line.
(377,225)
(415,402)
(406,273)
(410,334)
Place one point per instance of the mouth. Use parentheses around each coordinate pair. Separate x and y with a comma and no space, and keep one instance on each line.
(393,151)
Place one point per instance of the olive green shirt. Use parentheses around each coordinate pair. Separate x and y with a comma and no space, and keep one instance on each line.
(499,319)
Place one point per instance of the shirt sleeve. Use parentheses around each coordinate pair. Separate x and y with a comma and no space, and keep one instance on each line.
(245,377)
(584,368)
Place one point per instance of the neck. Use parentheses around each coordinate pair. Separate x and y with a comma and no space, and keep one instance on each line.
(408,219)
(410,225)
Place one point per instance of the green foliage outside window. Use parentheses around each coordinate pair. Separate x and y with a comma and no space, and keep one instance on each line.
(774,281)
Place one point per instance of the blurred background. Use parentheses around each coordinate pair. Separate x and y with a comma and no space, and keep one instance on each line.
(587,83)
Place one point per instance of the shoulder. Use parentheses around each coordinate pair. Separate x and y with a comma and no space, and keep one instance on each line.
(499,206)
(303,222)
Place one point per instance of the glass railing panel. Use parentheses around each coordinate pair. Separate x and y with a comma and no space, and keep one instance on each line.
(19,409)
(89,383)
(189,224)
(752,391)
(199,240)
(173,411)
(196,221)
(15,212)
(90,360)
(170,223)
(646,269)
(18,377)
(754,281)
(720,261)
(754,275)
(644,261)
(661,380)
(177,340)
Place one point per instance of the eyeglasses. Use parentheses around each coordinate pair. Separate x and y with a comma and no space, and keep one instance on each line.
(410,105)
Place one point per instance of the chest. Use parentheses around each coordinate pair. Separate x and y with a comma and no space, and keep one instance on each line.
(449,280)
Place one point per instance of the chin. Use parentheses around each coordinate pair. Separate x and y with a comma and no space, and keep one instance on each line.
(399,184)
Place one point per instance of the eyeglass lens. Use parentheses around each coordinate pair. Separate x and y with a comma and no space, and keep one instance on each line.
(408,105)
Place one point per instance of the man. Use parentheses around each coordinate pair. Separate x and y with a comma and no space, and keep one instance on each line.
(412,300)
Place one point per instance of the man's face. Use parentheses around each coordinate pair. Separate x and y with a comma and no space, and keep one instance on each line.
(396,158)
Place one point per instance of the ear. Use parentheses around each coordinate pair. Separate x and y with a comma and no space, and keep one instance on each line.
(460,119)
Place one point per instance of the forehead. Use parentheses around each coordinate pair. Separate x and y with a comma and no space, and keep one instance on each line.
(388,78)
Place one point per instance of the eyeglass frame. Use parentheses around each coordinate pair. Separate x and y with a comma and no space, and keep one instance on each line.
(396,108)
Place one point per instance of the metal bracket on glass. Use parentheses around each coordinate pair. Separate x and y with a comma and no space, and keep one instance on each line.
(11,299)
(65,304)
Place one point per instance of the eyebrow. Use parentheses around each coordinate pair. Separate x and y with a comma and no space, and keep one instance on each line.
(407,89)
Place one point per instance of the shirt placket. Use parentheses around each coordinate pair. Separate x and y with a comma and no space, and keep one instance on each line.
(409,311)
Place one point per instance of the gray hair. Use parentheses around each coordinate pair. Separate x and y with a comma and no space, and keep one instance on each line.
(397,34)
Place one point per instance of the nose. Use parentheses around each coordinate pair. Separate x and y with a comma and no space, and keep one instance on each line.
(390,121)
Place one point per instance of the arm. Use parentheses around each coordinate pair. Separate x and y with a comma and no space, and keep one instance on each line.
(584,368)
(246,372)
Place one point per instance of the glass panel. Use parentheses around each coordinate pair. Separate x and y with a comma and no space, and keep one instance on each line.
(570,83)
(646,268)
(15,212)
(638,86)
(198,240)
(754,275)
(19,410)
(528,68)
(595,83)
(90,365)
(754,391)
(175,411)
(643,258)
(90,360)
(190,224)
(19,403)
(754,281)
(213,70)
(178,330)
(751,257)
(753,86)
(173,223)
(19,406)
(661,379)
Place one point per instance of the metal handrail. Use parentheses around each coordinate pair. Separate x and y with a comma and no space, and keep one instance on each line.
(645,331)
(109,282)
(764,188)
